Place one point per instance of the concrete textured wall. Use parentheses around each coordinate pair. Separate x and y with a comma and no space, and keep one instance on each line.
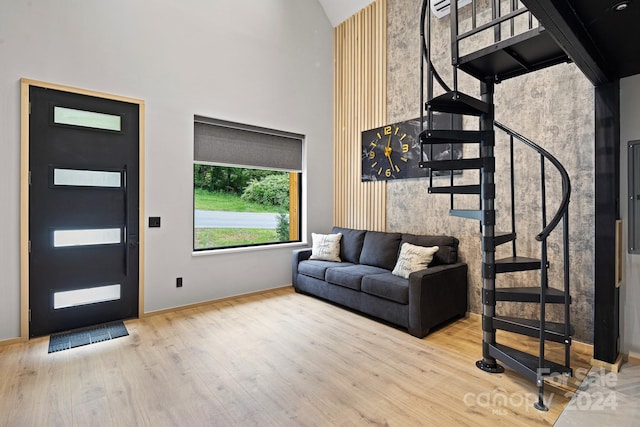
(554,108)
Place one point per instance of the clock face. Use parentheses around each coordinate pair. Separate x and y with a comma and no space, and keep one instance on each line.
(391,152)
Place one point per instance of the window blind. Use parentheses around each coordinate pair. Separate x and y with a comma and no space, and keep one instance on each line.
(228,143)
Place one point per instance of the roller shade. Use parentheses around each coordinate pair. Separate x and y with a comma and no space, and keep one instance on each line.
(228,143)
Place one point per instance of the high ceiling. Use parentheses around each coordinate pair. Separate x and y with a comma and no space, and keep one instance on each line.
(339,10)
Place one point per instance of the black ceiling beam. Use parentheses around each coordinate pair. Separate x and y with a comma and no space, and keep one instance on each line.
(559,19)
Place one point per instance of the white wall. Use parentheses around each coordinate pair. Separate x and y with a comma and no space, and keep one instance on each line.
(266,63)
(630,290)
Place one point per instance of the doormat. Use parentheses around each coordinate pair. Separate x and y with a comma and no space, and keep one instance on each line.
(85,336)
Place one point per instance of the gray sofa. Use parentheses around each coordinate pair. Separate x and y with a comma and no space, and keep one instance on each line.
(362,280)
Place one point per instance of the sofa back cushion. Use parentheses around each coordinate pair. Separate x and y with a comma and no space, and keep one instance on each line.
(448,252)
(380,249)
(351,244)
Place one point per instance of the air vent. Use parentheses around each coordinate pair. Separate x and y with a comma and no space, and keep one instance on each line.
(441,8)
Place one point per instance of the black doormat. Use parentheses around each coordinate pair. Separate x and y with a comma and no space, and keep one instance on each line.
(84,336)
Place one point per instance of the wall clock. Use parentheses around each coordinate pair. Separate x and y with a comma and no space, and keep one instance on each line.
(393,151)
(389,151)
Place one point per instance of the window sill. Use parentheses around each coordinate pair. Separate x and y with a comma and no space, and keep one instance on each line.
(249,249)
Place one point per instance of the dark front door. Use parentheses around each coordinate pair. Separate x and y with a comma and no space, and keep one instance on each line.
(83,210)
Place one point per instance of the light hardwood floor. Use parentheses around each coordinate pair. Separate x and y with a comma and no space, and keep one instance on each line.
(275,359)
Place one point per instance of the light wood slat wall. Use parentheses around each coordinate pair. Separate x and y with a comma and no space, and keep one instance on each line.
(360,103)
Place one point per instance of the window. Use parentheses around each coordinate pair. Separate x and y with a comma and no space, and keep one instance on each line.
(247,185)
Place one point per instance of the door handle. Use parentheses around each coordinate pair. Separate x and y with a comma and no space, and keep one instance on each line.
(132,243)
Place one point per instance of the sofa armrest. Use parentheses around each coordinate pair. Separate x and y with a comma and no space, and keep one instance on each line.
(436,294)
(298,255)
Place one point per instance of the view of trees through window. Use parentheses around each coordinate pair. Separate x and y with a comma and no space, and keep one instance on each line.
(235,206)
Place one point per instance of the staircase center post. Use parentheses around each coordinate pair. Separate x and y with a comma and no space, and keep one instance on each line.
(488,362)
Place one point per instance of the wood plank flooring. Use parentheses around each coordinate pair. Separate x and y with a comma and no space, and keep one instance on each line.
(275,359)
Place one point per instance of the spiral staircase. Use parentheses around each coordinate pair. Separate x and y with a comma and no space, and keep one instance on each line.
(523,50)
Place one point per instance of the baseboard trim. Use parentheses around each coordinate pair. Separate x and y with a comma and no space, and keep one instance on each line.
(213,301)
(613,367)
(582,346)
(12,341)
(633,358)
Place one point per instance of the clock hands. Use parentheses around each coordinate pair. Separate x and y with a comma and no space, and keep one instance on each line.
(390,161)
(387,153)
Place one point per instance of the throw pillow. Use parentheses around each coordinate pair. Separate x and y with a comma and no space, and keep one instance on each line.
(326,247)
(448,252)
(413,258)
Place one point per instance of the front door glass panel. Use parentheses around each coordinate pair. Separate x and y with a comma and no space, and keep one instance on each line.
(89,119)
(86,237)
(77,297)
(86,178)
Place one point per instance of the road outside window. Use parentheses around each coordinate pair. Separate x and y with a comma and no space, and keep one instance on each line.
(242,206)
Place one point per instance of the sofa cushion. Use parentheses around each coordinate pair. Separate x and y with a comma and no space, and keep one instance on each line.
(326,247)
(387,286)
(413,258)
(380,249)
(351,244)
(317,268)
(448,252)
(350,277)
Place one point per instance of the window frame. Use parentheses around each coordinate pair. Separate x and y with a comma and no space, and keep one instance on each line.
(295,187)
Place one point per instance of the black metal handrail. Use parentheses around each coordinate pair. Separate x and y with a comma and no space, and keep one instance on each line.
(425,49)
(498,18)
(494,22)
(566,182)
